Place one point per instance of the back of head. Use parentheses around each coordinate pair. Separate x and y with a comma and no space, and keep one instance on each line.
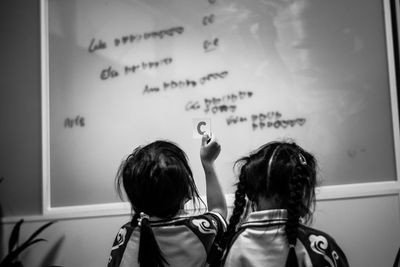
(281,171)
(157,179)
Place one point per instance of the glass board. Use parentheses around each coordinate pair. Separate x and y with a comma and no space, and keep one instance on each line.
(123,73)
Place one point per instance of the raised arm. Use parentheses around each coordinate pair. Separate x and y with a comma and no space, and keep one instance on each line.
(209,152)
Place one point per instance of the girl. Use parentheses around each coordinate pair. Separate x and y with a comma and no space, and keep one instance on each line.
(158,182)
(278,180)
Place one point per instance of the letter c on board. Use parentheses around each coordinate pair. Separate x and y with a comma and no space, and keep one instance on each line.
(201,123)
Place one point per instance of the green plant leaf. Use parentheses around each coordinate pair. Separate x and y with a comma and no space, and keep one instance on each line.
(13,254)
(39,230)
(9,259)
(28,244)
(12,242)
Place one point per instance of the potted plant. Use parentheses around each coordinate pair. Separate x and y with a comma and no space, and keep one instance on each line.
(14,248)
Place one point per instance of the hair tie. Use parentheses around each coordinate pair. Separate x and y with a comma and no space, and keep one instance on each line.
(142,216)
(302,159)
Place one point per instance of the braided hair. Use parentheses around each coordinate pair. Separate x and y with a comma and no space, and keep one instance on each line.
(277,169)
(157,180)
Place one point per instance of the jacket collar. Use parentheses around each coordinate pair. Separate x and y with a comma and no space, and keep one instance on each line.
(265,218)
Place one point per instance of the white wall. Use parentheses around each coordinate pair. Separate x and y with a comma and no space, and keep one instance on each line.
(367,229)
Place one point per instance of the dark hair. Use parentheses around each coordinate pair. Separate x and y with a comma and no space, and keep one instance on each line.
(277,169)
(157,180)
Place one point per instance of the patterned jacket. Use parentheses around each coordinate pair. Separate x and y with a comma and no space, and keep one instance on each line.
(261,241)
(185,241)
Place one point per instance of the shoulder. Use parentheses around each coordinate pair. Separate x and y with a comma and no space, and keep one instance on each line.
(216,219)
(316,238)
(209,228)
(119,244)
(209,222)
(123,235)
(321,247)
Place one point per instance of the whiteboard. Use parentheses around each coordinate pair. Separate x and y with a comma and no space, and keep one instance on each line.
(123,73)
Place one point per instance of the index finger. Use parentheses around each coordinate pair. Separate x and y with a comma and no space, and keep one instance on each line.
(205,139)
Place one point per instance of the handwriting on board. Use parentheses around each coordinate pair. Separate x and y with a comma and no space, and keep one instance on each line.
(125,72)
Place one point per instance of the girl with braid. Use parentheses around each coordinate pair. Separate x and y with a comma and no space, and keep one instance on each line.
(275,192)
(158,182)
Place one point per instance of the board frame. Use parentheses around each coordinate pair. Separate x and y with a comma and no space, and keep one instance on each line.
(324,193)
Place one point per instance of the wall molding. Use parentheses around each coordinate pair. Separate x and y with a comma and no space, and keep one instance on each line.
(325,193)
